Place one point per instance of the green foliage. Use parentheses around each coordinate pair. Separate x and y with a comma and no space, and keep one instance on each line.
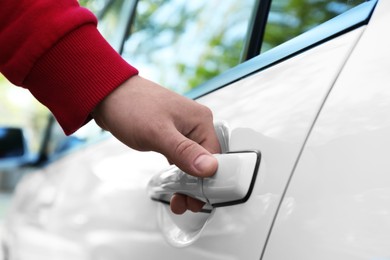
(290,18)
(225,53)
(162,40)
(173,40)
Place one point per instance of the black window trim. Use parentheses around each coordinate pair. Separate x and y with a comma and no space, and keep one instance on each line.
(341,24)
(130,5)
(256,29)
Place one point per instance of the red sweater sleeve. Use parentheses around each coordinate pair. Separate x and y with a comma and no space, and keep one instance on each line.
(52,48)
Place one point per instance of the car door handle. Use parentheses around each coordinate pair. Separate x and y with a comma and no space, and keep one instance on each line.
(232,183)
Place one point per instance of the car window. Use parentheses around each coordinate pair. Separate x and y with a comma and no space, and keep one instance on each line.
(290,18)
(58,143)
(19,109)
(112,15)
(97,6)
(181,44)
(111,20)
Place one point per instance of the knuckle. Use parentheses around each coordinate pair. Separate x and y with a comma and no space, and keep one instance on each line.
(206,112)
(185,147)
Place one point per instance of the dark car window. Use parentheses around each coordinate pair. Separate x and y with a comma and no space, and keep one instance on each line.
(180,43)
(290,18)
(11,142)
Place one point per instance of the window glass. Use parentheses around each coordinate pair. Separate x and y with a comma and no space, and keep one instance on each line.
(18,108)
(112,18)
(11,143)
(59,143)
(180,43)
(290,18)
(96,6)
(111,22)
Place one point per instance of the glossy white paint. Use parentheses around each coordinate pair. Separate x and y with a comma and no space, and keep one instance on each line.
(230,184)
(88,199)
(271,111)
(338,203)
(233,178)
(96,199)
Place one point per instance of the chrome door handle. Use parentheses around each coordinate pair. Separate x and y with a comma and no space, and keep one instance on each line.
(232,183)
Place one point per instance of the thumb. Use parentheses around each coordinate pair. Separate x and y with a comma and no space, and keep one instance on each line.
(190,156)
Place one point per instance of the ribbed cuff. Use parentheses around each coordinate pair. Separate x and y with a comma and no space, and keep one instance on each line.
(76,74)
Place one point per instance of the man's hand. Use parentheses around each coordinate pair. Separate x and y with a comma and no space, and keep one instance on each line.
(148,117)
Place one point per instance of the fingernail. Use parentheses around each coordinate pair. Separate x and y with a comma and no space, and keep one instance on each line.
(205,164)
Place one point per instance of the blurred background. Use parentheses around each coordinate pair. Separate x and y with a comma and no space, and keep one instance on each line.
(19,109)
(178,43)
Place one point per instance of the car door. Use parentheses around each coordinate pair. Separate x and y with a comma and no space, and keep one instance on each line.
(337,204)
(267,104)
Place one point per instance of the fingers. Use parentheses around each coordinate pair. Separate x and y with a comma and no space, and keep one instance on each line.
(191,143)
(180,203)
(193,159)
(193,154)
(146,116)
(189,156)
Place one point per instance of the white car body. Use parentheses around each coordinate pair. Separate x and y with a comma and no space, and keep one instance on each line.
(321,120)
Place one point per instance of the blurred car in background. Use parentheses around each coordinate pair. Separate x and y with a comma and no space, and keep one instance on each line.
(300,93)
(16,158)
